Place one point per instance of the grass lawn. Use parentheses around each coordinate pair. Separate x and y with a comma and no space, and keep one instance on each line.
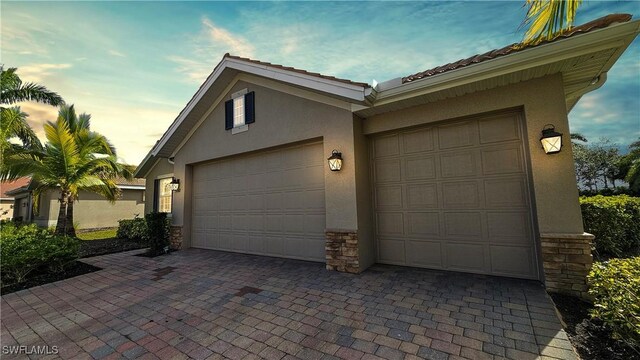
(97,235)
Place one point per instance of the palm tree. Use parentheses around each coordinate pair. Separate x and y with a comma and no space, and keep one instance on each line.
(548,18)
(73,159)
(14,120)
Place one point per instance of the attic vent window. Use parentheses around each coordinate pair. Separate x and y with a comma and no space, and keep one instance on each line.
(240,111)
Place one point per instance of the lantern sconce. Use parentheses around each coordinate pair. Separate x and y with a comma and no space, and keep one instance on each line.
(335,161)
(174,185)
(551,140)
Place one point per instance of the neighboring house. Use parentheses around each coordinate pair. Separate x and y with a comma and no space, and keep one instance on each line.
(91,211)
(443,169)
(7,201)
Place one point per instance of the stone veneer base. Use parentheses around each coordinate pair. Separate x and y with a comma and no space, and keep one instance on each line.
(341,248)
(566,260)
(175,237)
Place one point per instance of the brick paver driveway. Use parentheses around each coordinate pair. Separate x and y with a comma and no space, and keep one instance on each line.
(208,304)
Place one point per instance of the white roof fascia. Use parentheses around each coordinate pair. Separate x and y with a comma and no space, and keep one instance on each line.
(131,187)
(603,39)
(350,91)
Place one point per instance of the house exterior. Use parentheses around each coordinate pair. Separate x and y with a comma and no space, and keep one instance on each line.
(442,169)
(7,200)
(91,211)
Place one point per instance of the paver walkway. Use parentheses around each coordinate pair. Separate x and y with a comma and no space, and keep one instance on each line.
(207,304)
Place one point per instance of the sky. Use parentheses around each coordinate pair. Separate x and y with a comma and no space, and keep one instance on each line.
(134,65)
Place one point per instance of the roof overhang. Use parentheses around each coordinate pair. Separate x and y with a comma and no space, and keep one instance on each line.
(583,60)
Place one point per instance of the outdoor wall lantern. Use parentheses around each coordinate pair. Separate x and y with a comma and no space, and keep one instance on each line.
(174,185)
(335,161)
(551,140)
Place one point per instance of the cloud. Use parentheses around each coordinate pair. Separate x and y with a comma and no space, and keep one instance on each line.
(207,47)
(116,53)
(219,36)
(39,72)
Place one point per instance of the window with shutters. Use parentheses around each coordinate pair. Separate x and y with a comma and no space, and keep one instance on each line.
(240,111)
(164,195)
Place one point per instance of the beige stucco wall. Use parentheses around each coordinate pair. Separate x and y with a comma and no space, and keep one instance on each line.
(366,243)
(91,210)
(161,169)
(543,102)
(281,118)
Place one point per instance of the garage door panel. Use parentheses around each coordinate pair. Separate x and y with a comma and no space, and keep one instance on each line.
(508,226)
(314,224)
(418,141)
(506,193)
(457,135)
(390,223)
(423,224)
(467,225)
(456,197)
(422,195)
(261,200)
(314,200)
(513,261)
(458,164)
(466,257)
(461,195)
(421,168)
(505,160)
(386,146)
(388,196)
(388,171)
(424,254)
(392,251)
(498,129)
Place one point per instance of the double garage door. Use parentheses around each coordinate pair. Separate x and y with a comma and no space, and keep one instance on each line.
(267,203)
(455,197)
(452,196)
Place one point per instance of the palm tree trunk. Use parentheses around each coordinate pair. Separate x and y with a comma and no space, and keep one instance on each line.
(62,214)
(70,231)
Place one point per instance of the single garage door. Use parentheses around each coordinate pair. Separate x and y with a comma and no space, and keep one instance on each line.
(267,203)
(455,196)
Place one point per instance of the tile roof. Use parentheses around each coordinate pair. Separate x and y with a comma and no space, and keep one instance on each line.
(132,182)
(288,68)
(8,186)
(600,23)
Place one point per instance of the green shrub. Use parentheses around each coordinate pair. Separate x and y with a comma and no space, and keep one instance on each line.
(615,287)
(615,221)
(132,229)
(158,232)
(28,248)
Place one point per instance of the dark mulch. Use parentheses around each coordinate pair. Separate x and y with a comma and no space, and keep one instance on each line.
(590,337)
(36,279)
(90,248)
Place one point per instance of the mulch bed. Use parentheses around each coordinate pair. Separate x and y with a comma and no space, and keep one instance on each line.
(590,337)
(36,279)
(90,248)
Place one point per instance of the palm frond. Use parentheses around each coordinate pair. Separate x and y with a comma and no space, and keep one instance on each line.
(14,124)
(31,92)
(548,18)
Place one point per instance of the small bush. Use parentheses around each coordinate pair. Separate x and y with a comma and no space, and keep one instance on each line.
(133,229)
(28,248)
(158,232)
(615,287)
(615,222)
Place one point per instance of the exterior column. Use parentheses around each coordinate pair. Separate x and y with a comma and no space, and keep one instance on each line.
(567,260)
(175,237)
(342,250)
